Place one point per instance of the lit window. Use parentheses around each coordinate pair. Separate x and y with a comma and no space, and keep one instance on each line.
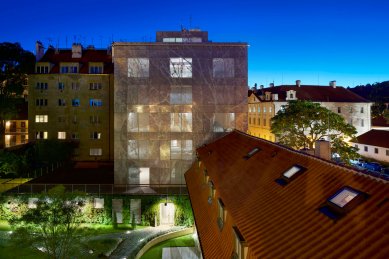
(181,122)
(223,67)
(342,202)
(61,135)
(95,152)
(181,94)
(252,152)
(41,135)
(41,118)
(290,174)
(95,102)
(181,67)
(224,122)
(75,102)
(270,109)
(95,135)
(221,215)
(138,67)
(138,122)
(240,246)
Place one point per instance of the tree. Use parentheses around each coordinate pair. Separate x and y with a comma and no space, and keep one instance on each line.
(15,64)
(301,123)
(52,225)
(12,164)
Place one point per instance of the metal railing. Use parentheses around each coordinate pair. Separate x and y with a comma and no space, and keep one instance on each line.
(100,189)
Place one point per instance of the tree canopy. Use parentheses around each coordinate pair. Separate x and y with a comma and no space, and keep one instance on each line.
(301,123)
(15,64)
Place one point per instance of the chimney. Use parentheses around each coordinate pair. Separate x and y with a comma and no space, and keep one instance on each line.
(255,86)
(323,149)
(333,84)
(298,83)
(261,87)
(39,50)
(76,50)
(271,85)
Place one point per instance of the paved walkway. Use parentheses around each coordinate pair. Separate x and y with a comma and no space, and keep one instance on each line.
(134,240)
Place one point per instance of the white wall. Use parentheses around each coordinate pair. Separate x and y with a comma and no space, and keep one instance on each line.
(370,153)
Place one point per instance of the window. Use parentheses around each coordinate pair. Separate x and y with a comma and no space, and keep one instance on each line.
(75,86)
(362,123)
(138,122)
(95,135)
(224,122)
(290,174)
(41,118)
(95,86)
(181,122)
(41,86)
(240,246)
(75,135)
(73,69)
(356,146)
(61,86)
(251,153)
(42,69)
(339,109)
(181,67)
(221,214)
(94,119)
(342,202)
(212,191)
(351,109)
(259,109)
(351,121)
(95,102)
(223,67)
(95,70)
(61,135)
(181,94)
(61,102)
(387,152)
(75,102)
(249,120)
(366,148)
(264,122)
(75,119)
(361,109)
(264,109)
(138,149)
(41,135)
(270,109)
(95,152)
(64,70)
(180,40)
(41,102)
(181,149)
(376,150)
(138,67)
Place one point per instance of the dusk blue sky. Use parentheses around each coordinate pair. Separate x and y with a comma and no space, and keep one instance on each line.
(315,41)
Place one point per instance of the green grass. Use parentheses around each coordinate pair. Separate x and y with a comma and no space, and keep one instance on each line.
(156,251)
(106,229)
(10,252)
(12,183)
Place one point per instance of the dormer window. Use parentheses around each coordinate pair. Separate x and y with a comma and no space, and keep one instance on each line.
(290,174)
(212,191)
(96,69)
(342,202)
(240,245)
(221,214)
(291,95)
(251,153)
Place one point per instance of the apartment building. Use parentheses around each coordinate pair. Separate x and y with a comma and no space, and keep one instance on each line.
(264,103)
(70,99)
(16,128)
(172,96)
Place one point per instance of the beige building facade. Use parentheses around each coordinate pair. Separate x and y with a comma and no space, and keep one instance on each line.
(70,99)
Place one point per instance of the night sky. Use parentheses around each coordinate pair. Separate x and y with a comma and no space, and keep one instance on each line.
(315,41)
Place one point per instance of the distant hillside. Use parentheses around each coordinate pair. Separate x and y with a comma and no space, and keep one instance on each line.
(378,92)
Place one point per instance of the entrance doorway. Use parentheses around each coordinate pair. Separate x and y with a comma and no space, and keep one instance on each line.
(166,214)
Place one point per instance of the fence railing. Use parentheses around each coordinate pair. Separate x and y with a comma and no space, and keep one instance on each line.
(100,189)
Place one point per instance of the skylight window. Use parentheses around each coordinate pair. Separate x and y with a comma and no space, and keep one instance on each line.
(252,152)
(290,174)
(342,202)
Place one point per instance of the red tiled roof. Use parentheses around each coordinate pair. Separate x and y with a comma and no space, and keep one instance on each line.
(283,222)
(379,121)
(88,55)
(316,93)
(378,138)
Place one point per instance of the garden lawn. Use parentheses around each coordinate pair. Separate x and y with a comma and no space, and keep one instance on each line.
(156,251)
